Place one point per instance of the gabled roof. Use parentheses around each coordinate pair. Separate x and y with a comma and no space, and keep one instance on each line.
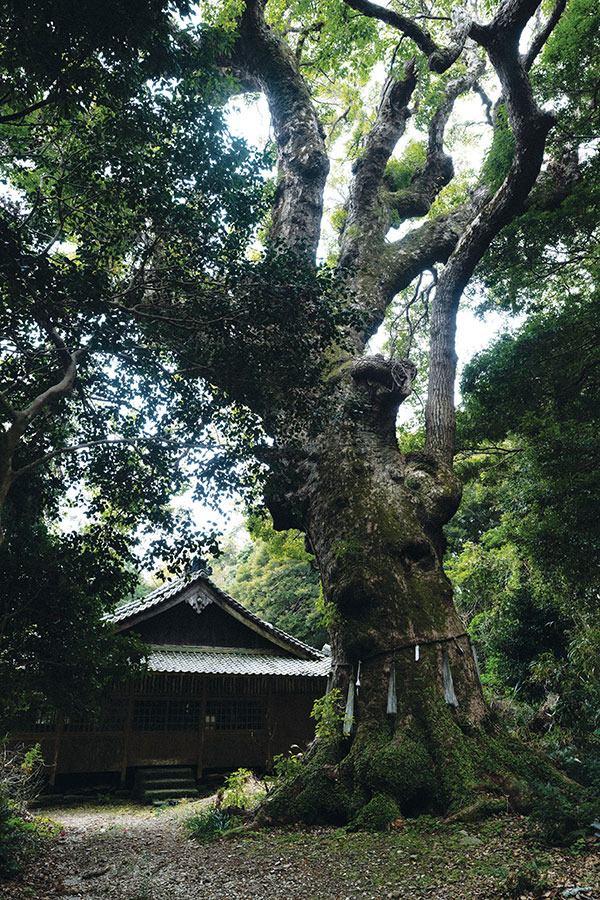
(199,591)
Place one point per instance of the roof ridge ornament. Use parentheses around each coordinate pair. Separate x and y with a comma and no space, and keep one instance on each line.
(198,603)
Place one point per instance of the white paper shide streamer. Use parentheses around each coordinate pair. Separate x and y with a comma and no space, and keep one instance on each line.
(349,713)
(476,661)
(392,700)
(449,695)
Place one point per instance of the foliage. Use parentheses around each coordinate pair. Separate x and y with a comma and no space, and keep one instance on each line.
(500,155)
(213,821)
(328,713)
(20,781)
(563,814)
(581,763)
(209,824)
(17,837)
(67,60)
(527,878)
(525,544)
(56,650)
(399,172)
(127,175)
(275,577)
(236,791)
(551,245)
(286,765)
(570,69)
(20,775)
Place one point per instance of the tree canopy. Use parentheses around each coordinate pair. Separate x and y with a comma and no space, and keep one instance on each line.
(525,542)
(123,185)
(115,170)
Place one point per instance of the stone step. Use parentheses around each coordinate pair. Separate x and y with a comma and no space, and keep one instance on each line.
(154,785)
(166,772)
(159,794)
(168,781)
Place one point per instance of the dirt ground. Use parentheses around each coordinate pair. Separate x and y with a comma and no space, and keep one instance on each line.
(139,853)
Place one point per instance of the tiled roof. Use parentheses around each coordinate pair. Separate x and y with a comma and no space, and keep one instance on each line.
(226,661)
(141,604)
(199,587)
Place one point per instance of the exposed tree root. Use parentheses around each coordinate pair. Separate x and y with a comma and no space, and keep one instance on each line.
(377,779)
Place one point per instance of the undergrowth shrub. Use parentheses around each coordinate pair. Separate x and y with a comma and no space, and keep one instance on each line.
(562,814)
(582,763)
(17,837)
(241,792)
(236,792)
(209,824)
(20,780)
(527,879)
(286,766)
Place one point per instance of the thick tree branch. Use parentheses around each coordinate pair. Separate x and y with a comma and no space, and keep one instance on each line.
(367,221)
(104,442)
(439,58)
(21,419)
(262,56)
(397,264)
(424,247)
(530,126)
(382,269)
(8,409)
(55,392)
(22,113)
(507,25)
(438,170)
(540,38)
(486,102)
(555,183)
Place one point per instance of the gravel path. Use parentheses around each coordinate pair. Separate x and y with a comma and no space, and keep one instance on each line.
(135,853)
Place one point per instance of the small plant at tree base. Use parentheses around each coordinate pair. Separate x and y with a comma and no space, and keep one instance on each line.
(17,837)
(563,814)
(236,789)
(20,775)
(328,713)
(286,765)
(209,824)
(527,879)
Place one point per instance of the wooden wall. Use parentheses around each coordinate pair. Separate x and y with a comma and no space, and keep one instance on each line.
(211,722)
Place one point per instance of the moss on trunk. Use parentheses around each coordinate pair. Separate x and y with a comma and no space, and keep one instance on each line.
(378,777)
(374,520)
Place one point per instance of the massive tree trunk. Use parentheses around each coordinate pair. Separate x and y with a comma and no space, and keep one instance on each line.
(412,731)
(374,519)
